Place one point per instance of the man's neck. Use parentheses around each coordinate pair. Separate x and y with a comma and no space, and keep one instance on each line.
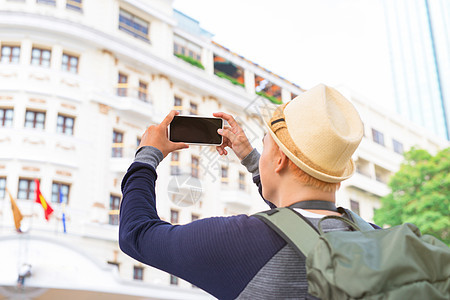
(293,192)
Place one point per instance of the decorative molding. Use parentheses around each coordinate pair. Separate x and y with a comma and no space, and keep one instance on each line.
(71,84)
(103,108)
(35,142)
(105,51)
(117,119)
(35,100)
(30,169)
(190,94)
(64,147)
(39,77)
(8,75)
(134,70)
(99,205)
(63,173)
(68,106)
(7,98)
(2,167)
(131,125)
(6,139)
(163,76)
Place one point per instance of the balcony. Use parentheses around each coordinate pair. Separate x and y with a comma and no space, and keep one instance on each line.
(235,199)
(43,81)
(367,184)
(133,99)
(121,157)
(41,146)
(101,231)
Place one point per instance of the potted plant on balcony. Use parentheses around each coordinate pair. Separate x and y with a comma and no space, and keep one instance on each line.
(190,60)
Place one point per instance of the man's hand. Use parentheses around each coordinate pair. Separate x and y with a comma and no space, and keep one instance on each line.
(156,136)
(233,137)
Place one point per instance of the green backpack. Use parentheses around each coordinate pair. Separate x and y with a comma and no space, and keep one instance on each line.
(394,263)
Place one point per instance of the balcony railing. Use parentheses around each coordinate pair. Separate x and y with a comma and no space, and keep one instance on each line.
(126,90)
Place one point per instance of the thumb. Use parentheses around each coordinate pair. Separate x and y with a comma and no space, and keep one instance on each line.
(226,132)
(178,146)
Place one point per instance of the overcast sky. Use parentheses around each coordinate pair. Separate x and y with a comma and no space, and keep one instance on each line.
(305,41)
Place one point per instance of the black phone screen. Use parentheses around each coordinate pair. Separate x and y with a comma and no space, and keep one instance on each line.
(198,130)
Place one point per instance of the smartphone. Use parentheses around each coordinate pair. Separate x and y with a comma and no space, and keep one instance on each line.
(196,130)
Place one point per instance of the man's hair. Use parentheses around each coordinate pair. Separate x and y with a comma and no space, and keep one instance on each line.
(311,181)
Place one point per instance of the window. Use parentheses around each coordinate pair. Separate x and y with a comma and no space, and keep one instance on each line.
(173,280)
(138,273)
(34,119)
(65,125)
(267,89)
(354,206)
(114,203)
(193,110)
(241,181)
(2,187)
(224,174)
(75,4)
(69,63)
(174,215)
(26,189)
(49,2)
(194,217)
(177,104)
(142,94)
(225,69)
(398,147)
(60,192)
(40,57)
(381,175)
(175,163)
(133,25)
(122,85)
(117,147)
(184,47)
(378,137)
(10,54)
(194,166)
(6,117)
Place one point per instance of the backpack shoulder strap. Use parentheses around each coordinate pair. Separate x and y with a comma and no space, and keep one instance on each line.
(363,225)
(295,229)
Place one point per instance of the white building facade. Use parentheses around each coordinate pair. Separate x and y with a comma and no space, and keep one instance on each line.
(80,80)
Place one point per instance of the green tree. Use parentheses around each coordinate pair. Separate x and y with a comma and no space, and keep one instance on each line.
(420,193)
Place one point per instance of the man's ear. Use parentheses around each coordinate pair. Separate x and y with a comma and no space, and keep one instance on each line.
(281,161)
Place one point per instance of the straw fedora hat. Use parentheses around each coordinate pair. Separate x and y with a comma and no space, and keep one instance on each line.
(319,131)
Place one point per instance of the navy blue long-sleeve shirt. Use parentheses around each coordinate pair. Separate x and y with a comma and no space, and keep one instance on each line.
(228,257)
(219,255)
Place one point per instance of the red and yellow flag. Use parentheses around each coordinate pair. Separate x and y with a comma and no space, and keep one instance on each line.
(48,210)
(16,212)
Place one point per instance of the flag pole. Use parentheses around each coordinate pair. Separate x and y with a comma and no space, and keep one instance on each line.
(63,207)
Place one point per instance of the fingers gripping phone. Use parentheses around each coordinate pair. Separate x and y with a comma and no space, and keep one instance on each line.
(196,130)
